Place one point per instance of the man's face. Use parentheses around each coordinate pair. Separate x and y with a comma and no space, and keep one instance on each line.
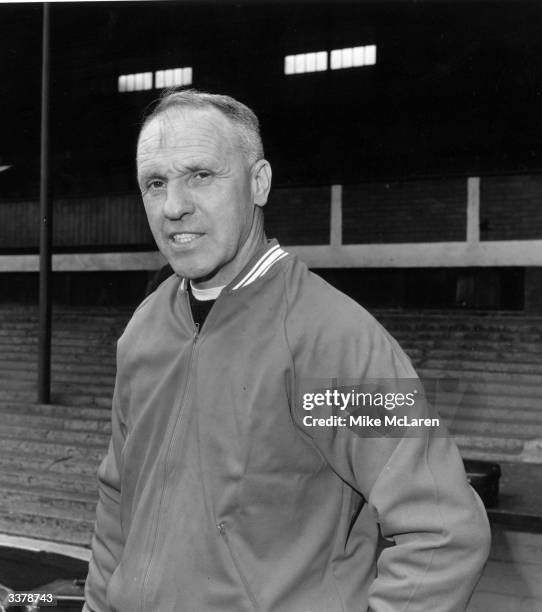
(198,191)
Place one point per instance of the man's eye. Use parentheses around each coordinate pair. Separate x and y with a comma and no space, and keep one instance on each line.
(155,184)
(201,175)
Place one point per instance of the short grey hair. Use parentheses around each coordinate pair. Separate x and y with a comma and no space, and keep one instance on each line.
(243,118)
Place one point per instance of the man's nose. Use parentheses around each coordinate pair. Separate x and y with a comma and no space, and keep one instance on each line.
(178,202)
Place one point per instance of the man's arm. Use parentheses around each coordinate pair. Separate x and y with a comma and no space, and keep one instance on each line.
(423,502)
(108,541)
(415,486)
(417,490)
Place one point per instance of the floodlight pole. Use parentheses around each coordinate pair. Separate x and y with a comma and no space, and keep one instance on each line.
(46,221)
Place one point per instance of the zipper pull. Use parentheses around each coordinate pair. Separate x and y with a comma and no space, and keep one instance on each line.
(196,333)
(221,529)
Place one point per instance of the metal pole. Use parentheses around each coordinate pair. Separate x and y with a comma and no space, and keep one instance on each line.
(46,220)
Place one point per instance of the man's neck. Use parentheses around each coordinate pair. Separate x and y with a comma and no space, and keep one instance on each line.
(256,240)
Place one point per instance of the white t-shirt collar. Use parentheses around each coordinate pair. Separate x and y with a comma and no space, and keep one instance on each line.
(204,295)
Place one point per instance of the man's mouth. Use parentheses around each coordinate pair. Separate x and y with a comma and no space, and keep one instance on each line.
(183,237)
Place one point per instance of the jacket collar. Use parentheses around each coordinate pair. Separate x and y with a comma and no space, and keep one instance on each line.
(257,267)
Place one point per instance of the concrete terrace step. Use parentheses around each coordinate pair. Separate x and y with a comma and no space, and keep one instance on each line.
(9,384)
(69,485)
(62,335)
(82,328)
(30,344)
(451,400)
(483,368)
(7,340)
(22,378)
(56,451)
(511,430)
(522,385)
(488,412)
(74,399)
(510,446)
(39,464)
(68,399)
(17,396)
(60,361)
(490,319)
(467,342)
(57,436)
(60,355)
(484,345)
(431,330)
(480,360)
(83,331)
(497,449)
(55,410)
(71,424)
(73,322)
(475,355)
(62,372)
(467,339)
(63,313)
(69,531)
(79,377)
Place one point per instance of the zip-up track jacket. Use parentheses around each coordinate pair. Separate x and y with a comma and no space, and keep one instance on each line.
(215,498)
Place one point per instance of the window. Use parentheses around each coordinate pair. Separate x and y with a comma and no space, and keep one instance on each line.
(135,82)
(349,57)
(353,57)
(305,62)
(173,77)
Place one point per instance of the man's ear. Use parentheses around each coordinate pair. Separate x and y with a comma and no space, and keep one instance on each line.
(261,182)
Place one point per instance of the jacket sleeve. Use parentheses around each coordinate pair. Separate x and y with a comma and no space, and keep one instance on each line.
(416,488)
(438,524)
(108,540)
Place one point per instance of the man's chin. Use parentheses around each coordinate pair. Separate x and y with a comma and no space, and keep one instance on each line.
(186,264)
(193,273)
(199,270)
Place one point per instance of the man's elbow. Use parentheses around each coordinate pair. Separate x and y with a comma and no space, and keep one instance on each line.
(473,537)
(482,539)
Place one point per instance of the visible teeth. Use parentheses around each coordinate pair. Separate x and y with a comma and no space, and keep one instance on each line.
(184,237)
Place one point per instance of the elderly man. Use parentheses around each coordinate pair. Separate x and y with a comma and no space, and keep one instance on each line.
(217,494)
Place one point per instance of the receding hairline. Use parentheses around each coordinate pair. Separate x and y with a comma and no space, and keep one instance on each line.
(168,114)
(161,130)
(240,117)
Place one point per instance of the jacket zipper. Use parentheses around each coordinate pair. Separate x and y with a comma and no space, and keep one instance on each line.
(222,531)
(166,461)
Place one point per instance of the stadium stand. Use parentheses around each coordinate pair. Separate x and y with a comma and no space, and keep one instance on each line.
(489,392)
(413,184)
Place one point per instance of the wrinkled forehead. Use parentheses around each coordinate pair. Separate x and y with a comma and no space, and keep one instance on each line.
(188,129)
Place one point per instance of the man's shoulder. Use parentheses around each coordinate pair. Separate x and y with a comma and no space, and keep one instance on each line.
(153,305)
(160,292)
(317,301)
(333,331)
